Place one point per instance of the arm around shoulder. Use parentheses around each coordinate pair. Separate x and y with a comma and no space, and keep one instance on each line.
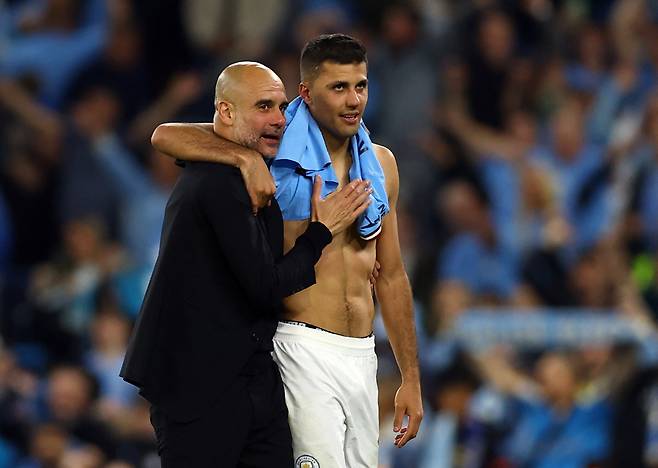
(184,140)
(198,142)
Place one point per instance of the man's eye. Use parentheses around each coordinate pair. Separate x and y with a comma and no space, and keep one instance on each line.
(338,87)
(264,106)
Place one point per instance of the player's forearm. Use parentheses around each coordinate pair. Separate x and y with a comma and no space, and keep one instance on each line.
(198,142)
(394,295)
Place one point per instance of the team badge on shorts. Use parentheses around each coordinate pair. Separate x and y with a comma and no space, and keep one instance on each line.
(306,461)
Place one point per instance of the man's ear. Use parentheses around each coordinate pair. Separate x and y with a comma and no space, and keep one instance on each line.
(226,112)
(305,92)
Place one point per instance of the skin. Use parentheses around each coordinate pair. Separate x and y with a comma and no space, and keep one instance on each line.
(341,301)
(250,101)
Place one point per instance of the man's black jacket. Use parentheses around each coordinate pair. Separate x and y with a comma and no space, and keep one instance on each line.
(214,295)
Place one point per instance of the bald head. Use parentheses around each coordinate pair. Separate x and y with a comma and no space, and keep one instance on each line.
(250,101)
(239,79)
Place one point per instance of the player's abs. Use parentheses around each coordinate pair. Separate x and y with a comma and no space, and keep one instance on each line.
(341,300)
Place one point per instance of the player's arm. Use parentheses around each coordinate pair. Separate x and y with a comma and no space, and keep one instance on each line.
(245,245)
(198,142)
(394,295)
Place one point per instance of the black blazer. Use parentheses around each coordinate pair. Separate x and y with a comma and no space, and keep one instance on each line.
(215,291)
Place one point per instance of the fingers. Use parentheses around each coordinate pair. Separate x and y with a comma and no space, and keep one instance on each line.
(316,196)
(399,436)
(360,202)
(254,205)
(259,200)
(361,207)
(350,191)
(410,431)
(375,273)
(358,187)
(397,418)
(317,188)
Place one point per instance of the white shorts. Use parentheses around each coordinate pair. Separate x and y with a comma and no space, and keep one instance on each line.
(331,393)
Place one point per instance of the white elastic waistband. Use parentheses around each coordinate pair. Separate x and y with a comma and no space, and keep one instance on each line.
(299,333)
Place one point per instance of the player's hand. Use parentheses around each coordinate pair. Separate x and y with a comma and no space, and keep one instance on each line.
(339,210)
(259,182)
(407,403)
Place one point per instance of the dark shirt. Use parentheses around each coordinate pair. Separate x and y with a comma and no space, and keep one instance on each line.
(215,294)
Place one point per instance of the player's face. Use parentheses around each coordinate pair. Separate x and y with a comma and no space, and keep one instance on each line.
(260,118)
(337,97)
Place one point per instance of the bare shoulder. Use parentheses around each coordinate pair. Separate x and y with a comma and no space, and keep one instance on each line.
(385,157)
(390,168)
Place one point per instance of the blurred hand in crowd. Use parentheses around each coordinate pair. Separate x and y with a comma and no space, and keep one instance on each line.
(184,88)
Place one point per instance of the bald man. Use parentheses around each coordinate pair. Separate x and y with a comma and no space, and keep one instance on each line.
(200,351)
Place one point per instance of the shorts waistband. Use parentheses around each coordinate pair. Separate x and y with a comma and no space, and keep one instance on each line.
(287,331)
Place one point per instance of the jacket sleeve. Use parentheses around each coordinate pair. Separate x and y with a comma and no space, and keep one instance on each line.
(243,241)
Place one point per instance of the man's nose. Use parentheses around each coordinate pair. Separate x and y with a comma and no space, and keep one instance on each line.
(279,119)
(353,98)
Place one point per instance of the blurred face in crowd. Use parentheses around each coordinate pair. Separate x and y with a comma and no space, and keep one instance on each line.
(124,45)
(461,206)
(83,238)
(287,67)
(48,444)
(496,38)
(249,107)
(82,457)
(69,393)
(118,464)
(651,120)
(592,47)
(96,113)
(523,127)
(651,42)
(449,300)
(399,26)
(536,188)
(590,279)
(337,96)
(555,375)
(454,398)
(568,131)
(58,15)
(110,331)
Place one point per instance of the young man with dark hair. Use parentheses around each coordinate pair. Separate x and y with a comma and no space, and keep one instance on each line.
(325,346)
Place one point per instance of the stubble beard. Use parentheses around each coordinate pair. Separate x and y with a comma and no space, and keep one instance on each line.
(248,139)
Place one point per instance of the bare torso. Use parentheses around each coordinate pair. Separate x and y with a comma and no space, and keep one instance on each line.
(341,300)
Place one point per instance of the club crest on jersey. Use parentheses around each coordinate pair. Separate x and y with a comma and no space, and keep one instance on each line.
(306,461)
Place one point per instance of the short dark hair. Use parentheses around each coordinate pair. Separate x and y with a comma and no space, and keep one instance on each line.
(339,48)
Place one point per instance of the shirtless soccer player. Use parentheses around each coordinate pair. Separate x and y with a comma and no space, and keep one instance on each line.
(325,347)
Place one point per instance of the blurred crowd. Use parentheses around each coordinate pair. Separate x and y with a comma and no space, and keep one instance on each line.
(526,135)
